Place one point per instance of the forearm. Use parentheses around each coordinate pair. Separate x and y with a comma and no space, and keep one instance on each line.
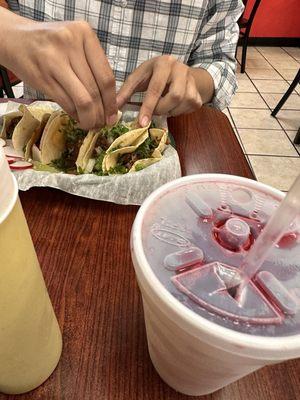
(9,25)
(204,83)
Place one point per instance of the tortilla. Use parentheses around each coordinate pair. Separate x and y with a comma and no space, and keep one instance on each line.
(86,151)
(141,164)
(29,154)
(24,129)
(38,111)
(7,120)
(127,139)
(111,159)
(162,136)
(53,141)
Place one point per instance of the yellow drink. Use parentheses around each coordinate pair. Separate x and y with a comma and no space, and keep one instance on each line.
(30,338)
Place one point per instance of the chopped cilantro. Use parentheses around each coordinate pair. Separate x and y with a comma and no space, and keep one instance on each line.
(118,169)
(146,148)
(152,125)
(99,161)
(72,132)
(80,171)
(74,138)
(114,132)
(139,167)
(60,163)
(100,173)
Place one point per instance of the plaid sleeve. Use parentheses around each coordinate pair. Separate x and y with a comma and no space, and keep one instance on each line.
(214,48)
(13,5)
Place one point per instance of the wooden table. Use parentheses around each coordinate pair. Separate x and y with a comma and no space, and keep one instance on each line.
(83,247)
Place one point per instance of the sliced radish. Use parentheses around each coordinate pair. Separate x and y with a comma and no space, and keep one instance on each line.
(2,142)
(11,152)
(19,165)
(11,160)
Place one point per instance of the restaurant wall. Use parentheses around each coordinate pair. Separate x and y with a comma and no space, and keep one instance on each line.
(276,18)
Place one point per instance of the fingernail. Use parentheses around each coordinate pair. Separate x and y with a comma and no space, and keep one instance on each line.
(111,120)
(145,121)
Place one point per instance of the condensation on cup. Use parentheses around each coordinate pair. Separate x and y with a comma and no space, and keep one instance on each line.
(188,242)
(30,338)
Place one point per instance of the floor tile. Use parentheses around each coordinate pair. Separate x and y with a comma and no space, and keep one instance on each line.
(288,63)
(256,119)
(292,103)
(241,77)
(288,74)
(248,100)
(297,88)
(252,54)
(293,51)
(258,64)
(245,86)
(279,172)
(271,51)
(292,135)
(271,142)
(238,70)
(289,119)
(263,73)
(271,86)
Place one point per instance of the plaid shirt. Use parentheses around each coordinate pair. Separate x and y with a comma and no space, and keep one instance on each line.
(200,33)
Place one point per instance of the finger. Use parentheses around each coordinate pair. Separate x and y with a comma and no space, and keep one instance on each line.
(134,83)
(157,84)
(79,95)
(192,100)
(85,75)
(176,92)
(56,93)
(104,76)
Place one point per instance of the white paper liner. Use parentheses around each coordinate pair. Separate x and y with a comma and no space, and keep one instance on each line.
(130,188)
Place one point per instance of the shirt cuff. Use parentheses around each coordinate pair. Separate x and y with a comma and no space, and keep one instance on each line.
(224,82)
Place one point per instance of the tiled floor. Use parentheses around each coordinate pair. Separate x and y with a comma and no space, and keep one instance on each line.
(266,141)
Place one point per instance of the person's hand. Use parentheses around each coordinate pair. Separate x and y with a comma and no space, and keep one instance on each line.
(170,87)
(65,61)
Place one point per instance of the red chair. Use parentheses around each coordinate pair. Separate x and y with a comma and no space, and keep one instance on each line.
(245,25)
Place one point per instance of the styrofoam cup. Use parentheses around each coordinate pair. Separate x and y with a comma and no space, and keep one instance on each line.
(30,338)
(192,354)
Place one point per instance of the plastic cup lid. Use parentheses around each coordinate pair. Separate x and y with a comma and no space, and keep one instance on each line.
(195,233)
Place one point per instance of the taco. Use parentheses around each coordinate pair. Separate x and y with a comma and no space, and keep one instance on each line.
(9,122)
(98,144)
(24,126)
(31,150)
(61,141)
(145,151)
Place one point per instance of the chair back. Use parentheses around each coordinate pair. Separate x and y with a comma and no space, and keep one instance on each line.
(247,22)
(3,3)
